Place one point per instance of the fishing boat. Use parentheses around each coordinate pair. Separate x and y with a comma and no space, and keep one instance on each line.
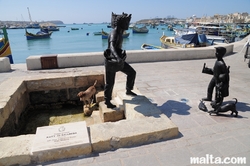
(74,29)
(184,41)
(5,50)
(52,28)
(211,38)
(49,26)
(143,29)
(216,39)
(105,35)
(97,33)
(32,24)
(170,27)
(39,35)
(145,46)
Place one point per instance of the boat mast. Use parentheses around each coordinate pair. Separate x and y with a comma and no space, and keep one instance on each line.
(29,15)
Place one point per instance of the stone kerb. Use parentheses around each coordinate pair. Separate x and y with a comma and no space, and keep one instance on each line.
(66,81)
(126,133)
(175,54)
(80,59)
(4,64)
(133,56)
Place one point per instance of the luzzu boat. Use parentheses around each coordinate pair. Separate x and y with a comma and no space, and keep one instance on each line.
(5,50)
(185,41)
(39,35)
(143,29)
(145,46)
(105,35)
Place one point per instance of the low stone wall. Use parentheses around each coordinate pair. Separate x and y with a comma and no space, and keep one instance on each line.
(13,101)
(135,56)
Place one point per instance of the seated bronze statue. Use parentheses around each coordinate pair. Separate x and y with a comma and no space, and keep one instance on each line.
(115,58)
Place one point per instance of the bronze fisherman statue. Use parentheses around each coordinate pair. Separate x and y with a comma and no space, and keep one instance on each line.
(115,58)
(220,79)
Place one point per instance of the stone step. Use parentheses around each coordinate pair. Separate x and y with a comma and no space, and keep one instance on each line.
(99,96)
(110,115)
(144,123)
(132,132)
(137,106)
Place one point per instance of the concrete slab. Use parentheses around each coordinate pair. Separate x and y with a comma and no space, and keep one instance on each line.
(126,133)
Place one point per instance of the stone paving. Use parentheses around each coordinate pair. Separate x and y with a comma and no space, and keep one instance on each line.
(176,88)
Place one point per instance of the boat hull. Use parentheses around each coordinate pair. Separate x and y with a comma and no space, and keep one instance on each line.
(5,50)
(31,36)
(105,35)
(150,47)
(140,30)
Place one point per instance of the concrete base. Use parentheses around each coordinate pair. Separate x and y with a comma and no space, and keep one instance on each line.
(127,133)
(144,124)
(4,64)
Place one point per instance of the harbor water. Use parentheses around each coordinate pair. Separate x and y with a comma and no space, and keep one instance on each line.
(77,41)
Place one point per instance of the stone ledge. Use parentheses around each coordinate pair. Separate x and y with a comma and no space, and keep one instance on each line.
(135,56)
(16,150)
(126,133)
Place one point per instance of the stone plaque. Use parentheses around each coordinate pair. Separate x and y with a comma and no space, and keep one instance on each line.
(60,137)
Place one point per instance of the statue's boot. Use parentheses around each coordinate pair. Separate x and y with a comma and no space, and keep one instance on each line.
(130,93)
(109,104)
(208,98)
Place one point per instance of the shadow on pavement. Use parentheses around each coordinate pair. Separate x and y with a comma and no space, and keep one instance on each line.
(174,107)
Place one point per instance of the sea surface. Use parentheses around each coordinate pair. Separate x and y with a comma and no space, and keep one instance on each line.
(77,41)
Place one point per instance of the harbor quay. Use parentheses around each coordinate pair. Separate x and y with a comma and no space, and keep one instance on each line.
(175,87)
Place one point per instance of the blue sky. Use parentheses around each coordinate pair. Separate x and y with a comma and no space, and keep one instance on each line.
(98,11)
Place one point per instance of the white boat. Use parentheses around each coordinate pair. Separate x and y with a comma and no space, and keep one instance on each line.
(145,46)
(217,39)
(184,41)
(143,29)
